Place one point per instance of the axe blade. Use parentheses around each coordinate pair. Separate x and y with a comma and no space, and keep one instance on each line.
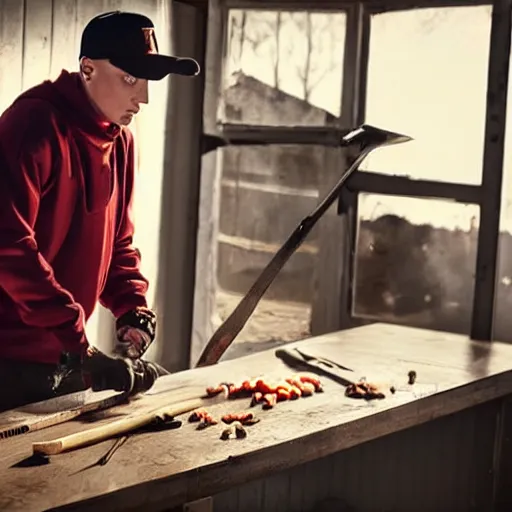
(368,135)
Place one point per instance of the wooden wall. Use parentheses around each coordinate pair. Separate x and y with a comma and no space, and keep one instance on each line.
(420,469)
(40,37)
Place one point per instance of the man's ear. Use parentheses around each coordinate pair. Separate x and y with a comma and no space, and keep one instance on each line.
(86,68)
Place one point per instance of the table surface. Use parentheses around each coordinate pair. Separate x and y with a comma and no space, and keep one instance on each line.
(453,373)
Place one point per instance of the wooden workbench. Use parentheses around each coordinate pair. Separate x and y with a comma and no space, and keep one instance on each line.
(432,446)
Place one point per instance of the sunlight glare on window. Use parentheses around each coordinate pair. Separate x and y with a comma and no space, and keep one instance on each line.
(427,78)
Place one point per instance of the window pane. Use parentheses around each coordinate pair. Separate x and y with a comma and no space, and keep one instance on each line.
(264,196)
(427,77)
(503,303)
(415,262)
(283,68)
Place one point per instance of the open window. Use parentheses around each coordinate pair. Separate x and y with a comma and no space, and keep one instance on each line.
(282,83)
(415,259)
(427,77)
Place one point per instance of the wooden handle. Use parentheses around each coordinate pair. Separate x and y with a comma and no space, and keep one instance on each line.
(115,428)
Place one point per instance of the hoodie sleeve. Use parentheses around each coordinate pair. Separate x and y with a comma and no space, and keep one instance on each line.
(27,152)
(126,287)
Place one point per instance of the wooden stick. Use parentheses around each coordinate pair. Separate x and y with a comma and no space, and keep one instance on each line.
(118,427)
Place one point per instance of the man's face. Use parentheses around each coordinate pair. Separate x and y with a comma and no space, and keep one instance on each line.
(115,93)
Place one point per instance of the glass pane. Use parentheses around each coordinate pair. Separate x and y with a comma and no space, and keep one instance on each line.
(264,196)
(415,262)
(503,302)
(427,77)
(283,68)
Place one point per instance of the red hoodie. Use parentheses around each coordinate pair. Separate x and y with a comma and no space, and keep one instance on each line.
(66,189)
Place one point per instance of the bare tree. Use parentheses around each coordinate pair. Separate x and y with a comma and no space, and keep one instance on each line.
(319,34)
(257,29)
(247,28)
(243,22)
(236,36)
(305,73)
(277,55)
(277,36)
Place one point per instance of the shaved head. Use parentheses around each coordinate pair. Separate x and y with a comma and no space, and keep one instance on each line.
(116,94)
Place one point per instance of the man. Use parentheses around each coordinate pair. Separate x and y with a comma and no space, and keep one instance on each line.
(66,227)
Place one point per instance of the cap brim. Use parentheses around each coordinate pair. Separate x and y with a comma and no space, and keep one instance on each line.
(156,67)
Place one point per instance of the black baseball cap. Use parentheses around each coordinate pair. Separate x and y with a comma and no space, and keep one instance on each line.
(129,42)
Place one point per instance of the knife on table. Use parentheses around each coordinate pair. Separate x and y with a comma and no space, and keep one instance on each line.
(297,359)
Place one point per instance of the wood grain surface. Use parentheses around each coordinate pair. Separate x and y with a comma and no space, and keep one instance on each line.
(453,373)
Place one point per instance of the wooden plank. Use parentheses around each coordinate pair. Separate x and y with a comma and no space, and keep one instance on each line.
(261,134)
(37,42)
(380,6)
(249,496)
(355,104)
(454,373)
(503,459)
(202,505)
(333,247)
(492,176)
(440,466)
(275,491)
(181,192)
(376,183)
(205,306)
(64,43)
(327,313)
(329,5)
(331,308)
(484,451)
(11,50)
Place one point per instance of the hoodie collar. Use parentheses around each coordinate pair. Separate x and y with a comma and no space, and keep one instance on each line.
(68,94)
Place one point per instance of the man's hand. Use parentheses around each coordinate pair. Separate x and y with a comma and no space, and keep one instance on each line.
(102,372)
(135,332)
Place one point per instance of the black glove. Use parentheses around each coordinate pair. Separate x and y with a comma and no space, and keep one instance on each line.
(102,372)
(135,332)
